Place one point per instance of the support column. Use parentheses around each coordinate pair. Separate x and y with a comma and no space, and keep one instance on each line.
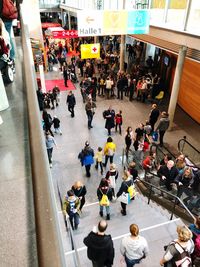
(3,96)
(69,20)
(176,84)
(122,46)
(31,16)
(62,17)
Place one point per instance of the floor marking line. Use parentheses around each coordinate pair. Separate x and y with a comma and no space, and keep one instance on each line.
(120,236)
(91,204)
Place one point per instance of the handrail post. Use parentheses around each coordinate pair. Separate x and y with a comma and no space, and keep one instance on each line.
(149,197)
(173,210)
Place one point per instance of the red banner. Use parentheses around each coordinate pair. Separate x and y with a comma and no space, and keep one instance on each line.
(64,34)
(46,25)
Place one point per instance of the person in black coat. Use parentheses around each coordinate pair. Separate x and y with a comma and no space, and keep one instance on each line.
(168,173)
(65,74)
(71,101)
(80,192)
(109,116)
(47,122)
(121,84)
(40,97)
(127,181)
(100,248)
(153,117)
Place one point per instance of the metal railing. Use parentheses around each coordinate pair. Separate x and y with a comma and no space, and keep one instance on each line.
(71,234)
(161,151)
(189,151)
(177,200)
(48,233)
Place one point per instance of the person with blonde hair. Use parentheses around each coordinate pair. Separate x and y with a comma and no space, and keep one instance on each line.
(126,183)
(134,247)
(80,192)
(180,249)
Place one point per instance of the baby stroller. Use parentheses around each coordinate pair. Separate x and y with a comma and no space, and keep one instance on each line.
(7,69)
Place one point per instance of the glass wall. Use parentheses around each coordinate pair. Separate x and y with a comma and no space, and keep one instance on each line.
(157,11)
(193,25)
(176,13)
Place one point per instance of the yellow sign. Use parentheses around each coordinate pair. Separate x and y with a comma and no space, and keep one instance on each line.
(90,51)
(114,23)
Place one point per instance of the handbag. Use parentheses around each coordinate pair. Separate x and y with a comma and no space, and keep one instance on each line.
(9,10)
(124,198)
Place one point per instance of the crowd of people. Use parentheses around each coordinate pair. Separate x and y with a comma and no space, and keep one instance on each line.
(102,78)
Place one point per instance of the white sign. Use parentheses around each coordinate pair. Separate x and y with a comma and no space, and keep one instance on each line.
(90,23)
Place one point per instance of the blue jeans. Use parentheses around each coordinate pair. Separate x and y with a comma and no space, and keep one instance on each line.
(107,209)
(74,220)
(131,263)
(8,26)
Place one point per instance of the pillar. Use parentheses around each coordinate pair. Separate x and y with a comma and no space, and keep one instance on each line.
(69,20)
(176,84)
(3,97)
(122,46)
(31,16)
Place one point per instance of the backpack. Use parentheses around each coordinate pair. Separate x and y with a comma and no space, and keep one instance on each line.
(110,152)
(131,190)
(182,257)
(155,136)
(9,11)
(104,200)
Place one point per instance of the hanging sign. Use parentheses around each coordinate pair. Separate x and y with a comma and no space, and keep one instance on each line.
(64,34)
(90,51)
(105,22)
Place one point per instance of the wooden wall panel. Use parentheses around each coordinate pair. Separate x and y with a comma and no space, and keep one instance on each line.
(189,94)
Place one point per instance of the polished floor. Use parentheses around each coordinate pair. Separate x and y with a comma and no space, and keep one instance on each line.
(17,229)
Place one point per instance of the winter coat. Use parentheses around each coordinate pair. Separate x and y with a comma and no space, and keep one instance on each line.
(169,174)
(71,101)
(163,125)
(80,192)
(100,248)
(86,156)
(67,207)
(154,115)
(109,147)
(124,186)
(110,119)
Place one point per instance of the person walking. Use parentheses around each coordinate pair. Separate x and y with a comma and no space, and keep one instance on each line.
(104,194)
(65,73)
(100,248)
(128,139)
(71,101)
(109,151)
(153,116)
(71,208)
(86,158)
(99,159)
(79,191)
(181,245)
(56,125)
(90,108)
(47,121)
(126,183)
(118,122)
(109,116)
(50,143)
(134,248)
(163,126)
(111,177)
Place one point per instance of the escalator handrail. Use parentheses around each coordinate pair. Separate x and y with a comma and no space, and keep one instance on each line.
(186,141)
(159,148)
(164,191)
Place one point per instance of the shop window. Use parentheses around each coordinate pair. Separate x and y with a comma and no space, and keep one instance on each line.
(176,13)
(194,18)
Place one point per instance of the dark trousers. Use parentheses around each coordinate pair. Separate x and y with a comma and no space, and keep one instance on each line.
(87,168)
(131,263)
(123,205)
(74,220)
(161,135)
(65,81)
(90,118)
(97,264)
(71,110)
(120,128)
(106,159)
(82,202)
(120,94)
(152,123)
(49,153)
(101,166)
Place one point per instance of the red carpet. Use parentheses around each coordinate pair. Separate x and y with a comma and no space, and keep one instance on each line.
(50,84)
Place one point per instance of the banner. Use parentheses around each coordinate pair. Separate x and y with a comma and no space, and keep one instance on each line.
(90,51)
(64,34)
(106,22)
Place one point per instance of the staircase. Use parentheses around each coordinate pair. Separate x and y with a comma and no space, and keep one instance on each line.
(152,220)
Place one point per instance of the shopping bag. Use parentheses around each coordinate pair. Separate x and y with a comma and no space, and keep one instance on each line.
(124,198)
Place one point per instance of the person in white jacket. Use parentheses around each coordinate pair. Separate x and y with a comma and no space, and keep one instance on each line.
(134,248)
